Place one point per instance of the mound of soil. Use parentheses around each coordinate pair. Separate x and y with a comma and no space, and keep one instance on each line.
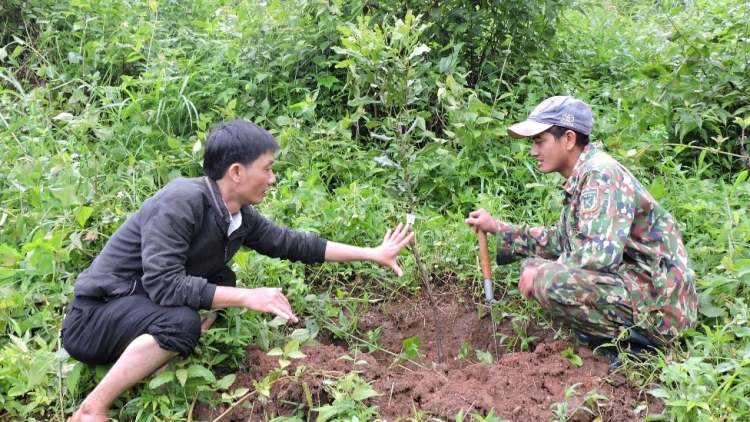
(519,386)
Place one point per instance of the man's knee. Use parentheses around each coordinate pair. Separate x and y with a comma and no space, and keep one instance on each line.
(77,343)
(179,332)
(554,284)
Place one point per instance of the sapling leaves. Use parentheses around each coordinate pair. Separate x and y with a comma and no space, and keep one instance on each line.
(571,356)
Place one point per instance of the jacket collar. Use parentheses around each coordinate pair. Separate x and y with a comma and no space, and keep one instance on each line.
(222,213)
(572,183)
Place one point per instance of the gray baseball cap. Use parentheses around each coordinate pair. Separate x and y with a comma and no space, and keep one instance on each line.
(561,111)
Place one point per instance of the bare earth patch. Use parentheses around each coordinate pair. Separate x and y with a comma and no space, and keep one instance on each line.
(520,386)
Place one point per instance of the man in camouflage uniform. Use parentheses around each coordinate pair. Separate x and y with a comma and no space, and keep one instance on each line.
(614,265)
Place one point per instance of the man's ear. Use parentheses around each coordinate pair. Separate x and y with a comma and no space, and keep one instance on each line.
(234,172)
(570,140)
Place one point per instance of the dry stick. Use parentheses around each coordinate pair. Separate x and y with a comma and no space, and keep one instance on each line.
(59,375)
(709,149)
(384,350)
(8,126)
(427,285)
(60,387)
(192,407)
(252,393)
(242,400)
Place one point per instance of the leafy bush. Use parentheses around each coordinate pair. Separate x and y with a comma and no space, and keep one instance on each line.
(485,31)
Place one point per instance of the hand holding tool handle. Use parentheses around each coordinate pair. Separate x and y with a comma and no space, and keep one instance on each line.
(484,260)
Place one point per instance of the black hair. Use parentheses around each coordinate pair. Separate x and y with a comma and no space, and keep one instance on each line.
(558,131)
(237,141)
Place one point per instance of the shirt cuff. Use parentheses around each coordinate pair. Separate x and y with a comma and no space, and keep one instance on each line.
(320,250)
(207,296)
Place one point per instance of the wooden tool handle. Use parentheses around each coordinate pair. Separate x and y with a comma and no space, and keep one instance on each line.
(484,255)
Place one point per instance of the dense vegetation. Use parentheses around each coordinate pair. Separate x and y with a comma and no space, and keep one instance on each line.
(380,107)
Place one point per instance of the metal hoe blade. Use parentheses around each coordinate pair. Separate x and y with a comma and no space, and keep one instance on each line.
(484,260)
(489,296)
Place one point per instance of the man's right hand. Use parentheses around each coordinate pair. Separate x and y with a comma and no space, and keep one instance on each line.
(261,299)
(269,299)
(482,220)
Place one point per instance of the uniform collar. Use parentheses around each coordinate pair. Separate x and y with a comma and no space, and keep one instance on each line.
(572,183)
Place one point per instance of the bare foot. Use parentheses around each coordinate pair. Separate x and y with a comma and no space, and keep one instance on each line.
(80,416)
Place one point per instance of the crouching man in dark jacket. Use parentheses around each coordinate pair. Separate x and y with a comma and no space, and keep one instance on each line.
(137,305)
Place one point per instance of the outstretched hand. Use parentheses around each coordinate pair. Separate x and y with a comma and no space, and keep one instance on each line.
(394,241)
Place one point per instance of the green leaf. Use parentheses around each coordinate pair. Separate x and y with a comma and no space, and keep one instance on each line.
(326,412)
(277,322)
(66,195)
(327,80)
(161,379)
(290,347)
(743,274)
(363,392)
(485,357)
(38,371)
(83,214)
(284,121)
(660,393)
(411,346)
(182,376)
(576,360)
(226,382)
(711,311)
(198,371)
(61,354)
(17,390)
(727,263)
(345,63)
(741,178)
(276,351)
(572,356)
(418,51)
(173,143)
(16,52)
(6,273)
(304,336)
(73,376)
(296,354)
(118,153)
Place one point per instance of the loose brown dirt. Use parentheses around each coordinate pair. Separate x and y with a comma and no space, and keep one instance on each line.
(520,386)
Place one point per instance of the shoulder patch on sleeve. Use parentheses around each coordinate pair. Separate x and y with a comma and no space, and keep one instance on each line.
(589,200)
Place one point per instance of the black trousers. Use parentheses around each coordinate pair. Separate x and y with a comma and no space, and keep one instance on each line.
(98,332)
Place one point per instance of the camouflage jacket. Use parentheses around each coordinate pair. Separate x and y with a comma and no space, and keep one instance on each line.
(610,223)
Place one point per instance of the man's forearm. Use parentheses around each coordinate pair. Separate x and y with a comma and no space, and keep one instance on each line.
(228,297)
(339,252)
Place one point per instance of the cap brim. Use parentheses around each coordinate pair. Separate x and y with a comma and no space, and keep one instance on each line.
(527,128)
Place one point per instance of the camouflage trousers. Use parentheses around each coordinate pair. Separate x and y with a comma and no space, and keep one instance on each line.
(593,303)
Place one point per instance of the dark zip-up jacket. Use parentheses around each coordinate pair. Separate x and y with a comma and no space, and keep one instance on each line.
(179,238)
